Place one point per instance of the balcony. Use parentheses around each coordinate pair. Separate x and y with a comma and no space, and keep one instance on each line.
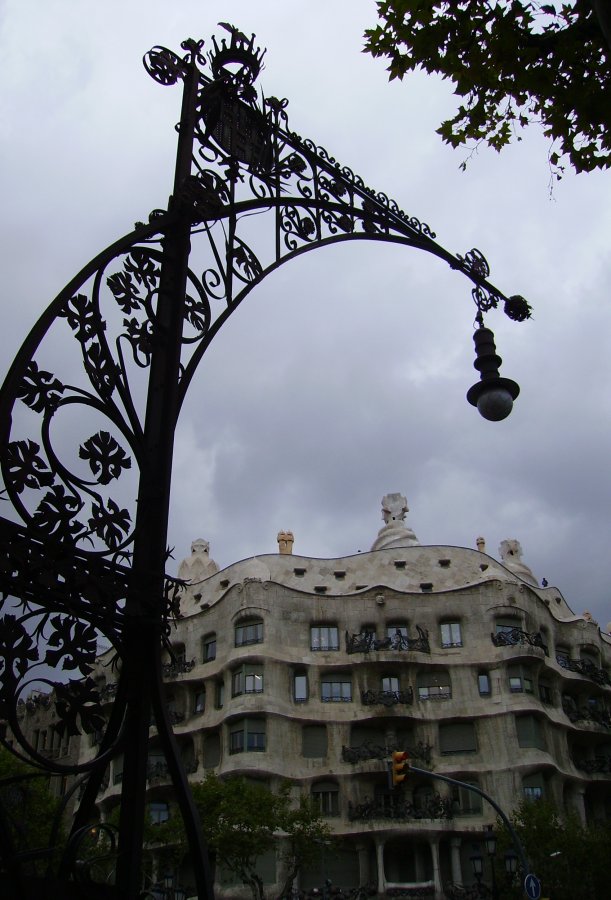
(179,666)
(368,750)
(592,715)
(159,770)
(516,637)
(584,667)
(107,691)
(401,809)
(599,765)
(365,642)
(387,698)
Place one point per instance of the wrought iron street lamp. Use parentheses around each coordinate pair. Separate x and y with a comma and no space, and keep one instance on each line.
(477,864)
(490,844)
(78,561)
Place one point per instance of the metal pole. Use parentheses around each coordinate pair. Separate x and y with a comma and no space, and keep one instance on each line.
(471,787)
(145,604)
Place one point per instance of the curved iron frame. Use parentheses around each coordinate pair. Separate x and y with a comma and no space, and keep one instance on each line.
(75,564)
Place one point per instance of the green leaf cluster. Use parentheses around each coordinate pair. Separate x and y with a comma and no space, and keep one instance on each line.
(571,860)
(242,820)
(512,63)
(29,809)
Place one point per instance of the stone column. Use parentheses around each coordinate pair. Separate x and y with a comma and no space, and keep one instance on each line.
(436,875)
(455,844)
(364,868)
(380,861)
(580,805)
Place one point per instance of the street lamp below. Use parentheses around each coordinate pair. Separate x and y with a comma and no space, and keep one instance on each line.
(492,394)
(511,863)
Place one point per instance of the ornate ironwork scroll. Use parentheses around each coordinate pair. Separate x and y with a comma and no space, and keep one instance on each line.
(432,806)
(584,667)
(366,642)
(369,750)
(387,698)
(514,636)
(89,409)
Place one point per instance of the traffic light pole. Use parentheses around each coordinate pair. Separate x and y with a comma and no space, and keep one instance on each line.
(402,758)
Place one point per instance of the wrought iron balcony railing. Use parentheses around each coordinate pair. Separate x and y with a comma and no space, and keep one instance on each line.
(387,698)
(369,750)
(516,636)
(366,641)
(584,667)
(433,806)
(178,667)
(108,691)
(586,713)
(160,769)
(599,765)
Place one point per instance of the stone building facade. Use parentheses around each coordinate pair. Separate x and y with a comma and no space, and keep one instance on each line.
(315,670)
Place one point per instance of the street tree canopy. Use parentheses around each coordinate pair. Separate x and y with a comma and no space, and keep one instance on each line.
(28,811)
(243,819)
(570,859)
(512,63)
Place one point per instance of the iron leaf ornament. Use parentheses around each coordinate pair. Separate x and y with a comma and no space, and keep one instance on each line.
(87,434)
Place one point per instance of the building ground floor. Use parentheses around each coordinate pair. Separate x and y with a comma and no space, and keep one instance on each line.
(401,862)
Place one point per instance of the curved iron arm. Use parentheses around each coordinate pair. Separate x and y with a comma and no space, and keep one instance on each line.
(142,318)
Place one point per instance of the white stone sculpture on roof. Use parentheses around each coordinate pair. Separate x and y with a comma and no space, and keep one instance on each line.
(395,532)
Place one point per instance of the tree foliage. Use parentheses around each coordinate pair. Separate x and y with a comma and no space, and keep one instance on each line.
(570,860)
(29,810)
(512,63)
(242,821)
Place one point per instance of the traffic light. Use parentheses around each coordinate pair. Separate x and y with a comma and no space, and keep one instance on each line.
(400,764)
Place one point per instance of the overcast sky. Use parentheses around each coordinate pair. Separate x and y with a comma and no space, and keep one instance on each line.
(343,375)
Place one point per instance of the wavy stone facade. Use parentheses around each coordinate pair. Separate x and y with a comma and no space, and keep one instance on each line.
(312,670)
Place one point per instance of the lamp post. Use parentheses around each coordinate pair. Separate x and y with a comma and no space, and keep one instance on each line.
(490,844)
(477,865)
(78,559)
(511,864)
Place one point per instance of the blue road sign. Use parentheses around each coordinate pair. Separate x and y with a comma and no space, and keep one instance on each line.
(532,887)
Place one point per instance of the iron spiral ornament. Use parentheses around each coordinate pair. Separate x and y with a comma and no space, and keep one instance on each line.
(90,405)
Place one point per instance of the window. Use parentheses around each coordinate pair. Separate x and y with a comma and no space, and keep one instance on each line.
(450,634)
(533,786)
(464,801)
(247,735)
(533,792)
(159,811)
(326,795)
(300,687)
(314,741)
(324,637)
(179,654)
(390,684)
(520,680)
(424,797)
(507,624)
(248,679)
(336,688)
(199,701)
(399,636)
(530,732)
(545,693)
(212,749)
(434,685)
(457,737)
(483,684)
(208,647)
(563,656)
(219,694)
(249,632)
